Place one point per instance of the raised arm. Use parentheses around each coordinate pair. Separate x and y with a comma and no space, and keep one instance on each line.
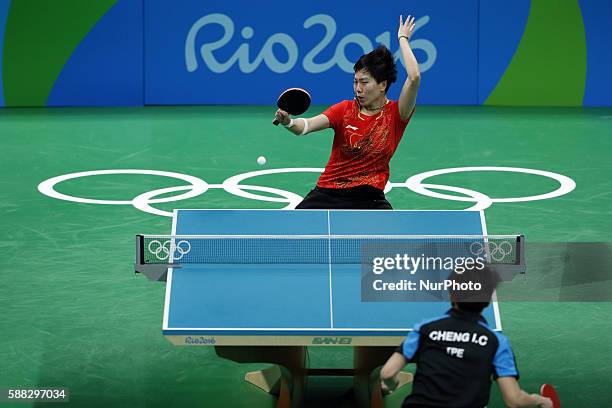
(302,126)
(407,98)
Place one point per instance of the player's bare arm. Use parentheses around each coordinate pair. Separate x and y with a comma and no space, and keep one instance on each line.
(407,98)
(515,397)
(313,124)
(390,371)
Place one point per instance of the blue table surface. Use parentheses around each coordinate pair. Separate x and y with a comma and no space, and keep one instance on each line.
(295,299)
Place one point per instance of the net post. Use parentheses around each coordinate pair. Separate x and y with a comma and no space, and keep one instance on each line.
(139,250)
(507,272)
(520,247)
(154,272)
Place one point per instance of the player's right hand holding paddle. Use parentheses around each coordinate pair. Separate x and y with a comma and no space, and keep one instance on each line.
(293,101)
(548,392)
(514,396)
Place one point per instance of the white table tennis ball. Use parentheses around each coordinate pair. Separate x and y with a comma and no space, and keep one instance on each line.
(261,160)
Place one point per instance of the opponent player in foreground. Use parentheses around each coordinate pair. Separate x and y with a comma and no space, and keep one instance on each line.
(456,355)
(367,130)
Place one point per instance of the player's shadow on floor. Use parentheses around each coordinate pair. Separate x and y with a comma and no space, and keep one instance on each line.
(337,392)
(329,392)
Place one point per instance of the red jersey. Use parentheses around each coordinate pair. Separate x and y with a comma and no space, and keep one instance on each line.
(363,145)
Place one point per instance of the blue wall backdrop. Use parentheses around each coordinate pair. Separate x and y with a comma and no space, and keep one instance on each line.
(4,8)
(220,52)
(598,26)
(158,52)
(107,66)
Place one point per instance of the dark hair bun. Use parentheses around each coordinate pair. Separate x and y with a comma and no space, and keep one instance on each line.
(380,63)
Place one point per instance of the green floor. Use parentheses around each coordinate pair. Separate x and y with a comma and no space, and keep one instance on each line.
(75,315)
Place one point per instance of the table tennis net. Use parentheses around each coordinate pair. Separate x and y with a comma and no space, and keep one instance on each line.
(322,249)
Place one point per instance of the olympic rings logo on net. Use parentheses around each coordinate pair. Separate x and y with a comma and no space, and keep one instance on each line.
(178,250)
(496,251)
(234,185)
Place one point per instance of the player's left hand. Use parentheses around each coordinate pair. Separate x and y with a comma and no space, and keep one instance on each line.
(406,28)
(383,387)
(282,116)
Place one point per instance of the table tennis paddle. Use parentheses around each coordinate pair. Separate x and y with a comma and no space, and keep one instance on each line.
(548,391)
(294,101)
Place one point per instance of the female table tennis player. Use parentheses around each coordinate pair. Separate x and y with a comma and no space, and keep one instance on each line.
(367,130)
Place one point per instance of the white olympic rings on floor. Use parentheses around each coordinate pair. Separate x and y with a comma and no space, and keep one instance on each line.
(233,186)
(415,184)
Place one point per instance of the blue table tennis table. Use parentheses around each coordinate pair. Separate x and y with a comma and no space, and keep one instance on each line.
(314,304)
(290,306)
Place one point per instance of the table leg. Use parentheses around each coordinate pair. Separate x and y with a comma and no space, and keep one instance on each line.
(367,387)
(287,377)
(268,379)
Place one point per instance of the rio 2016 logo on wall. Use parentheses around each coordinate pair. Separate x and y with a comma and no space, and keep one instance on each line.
(231,55)
(247,64)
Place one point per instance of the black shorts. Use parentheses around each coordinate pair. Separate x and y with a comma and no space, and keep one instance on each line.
(354,198)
